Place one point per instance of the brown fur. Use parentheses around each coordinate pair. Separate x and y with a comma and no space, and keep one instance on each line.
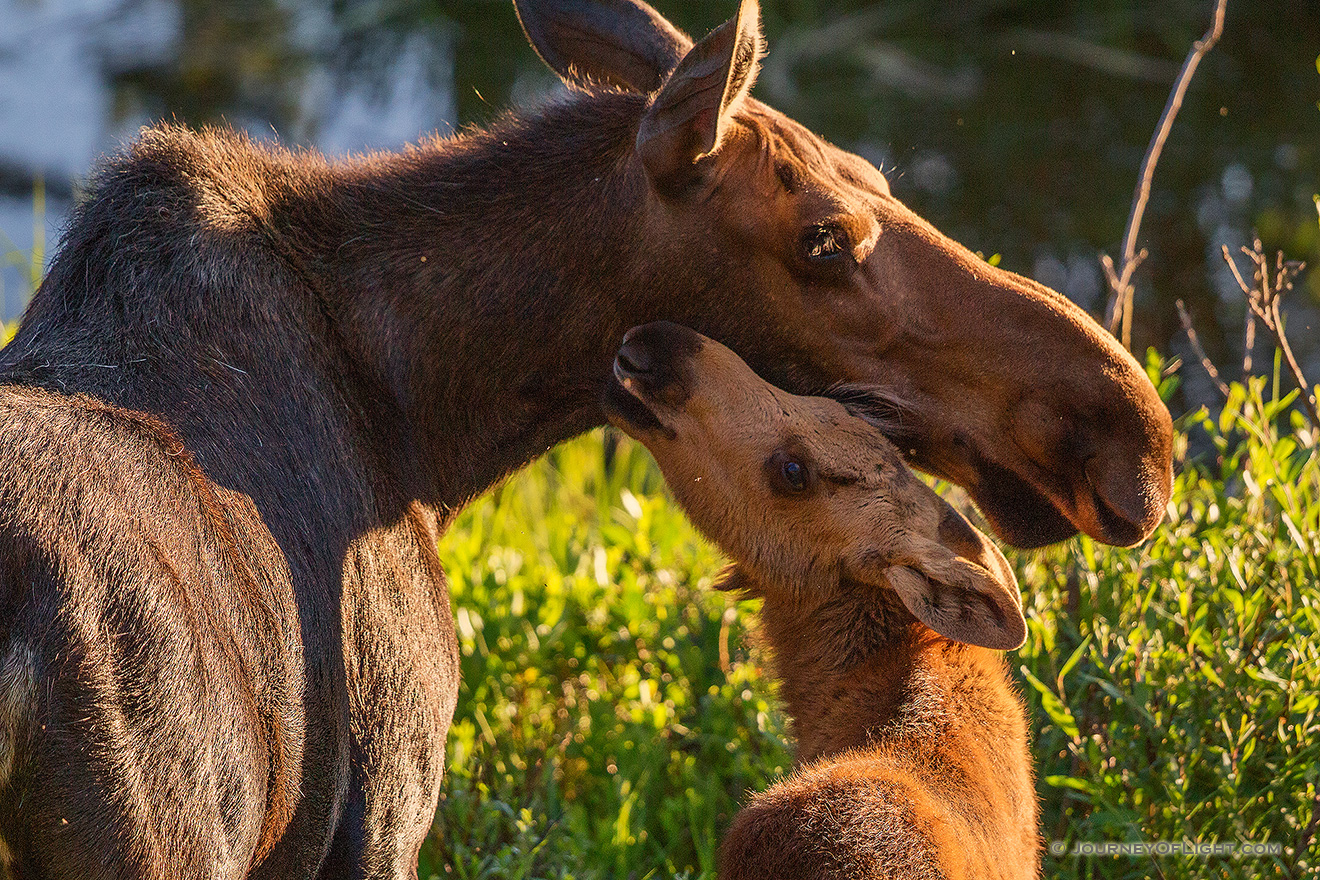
(256,386)
(912,750)
(912,747)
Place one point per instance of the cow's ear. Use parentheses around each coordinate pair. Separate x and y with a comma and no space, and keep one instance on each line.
(621,42)
(688,117)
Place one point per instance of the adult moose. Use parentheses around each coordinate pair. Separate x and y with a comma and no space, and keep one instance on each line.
(255,387)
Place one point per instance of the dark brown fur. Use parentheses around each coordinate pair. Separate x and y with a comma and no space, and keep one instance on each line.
(256,387)
(912,747)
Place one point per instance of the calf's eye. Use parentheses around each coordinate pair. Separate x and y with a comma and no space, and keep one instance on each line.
(788,474)
(795,475)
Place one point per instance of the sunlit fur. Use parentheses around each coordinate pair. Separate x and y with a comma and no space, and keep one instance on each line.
(912,748)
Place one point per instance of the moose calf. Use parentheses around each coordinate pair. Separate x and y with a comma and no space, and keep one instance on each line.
(886,612)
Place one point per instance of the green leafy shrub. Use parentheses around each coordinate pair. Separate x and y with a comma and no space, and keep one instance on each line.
(1176,686)
(613,709)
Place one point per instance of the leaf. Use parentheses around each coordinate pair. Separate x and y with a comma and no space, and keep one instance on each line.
(1058,711)
(1072,660)
(1082,785)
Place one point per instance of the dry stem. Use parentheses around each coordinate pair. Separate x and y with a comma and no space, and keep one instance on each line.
(1120,280)
(1264,299)
(1206,363)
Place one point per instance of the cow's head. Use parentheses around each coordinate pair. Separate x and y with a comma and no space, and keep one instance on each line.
(794,253)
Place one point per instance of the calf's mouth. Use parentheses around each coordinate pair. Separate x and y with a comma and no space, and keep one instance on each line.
(628,412)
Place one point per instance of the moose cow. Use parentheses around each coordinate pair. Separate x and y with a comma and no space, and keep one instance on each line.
(256,387)
(885,610)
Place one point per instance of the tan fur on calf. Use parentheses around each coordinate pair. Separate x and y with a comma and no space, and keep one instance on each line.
(912,754)
(886,613)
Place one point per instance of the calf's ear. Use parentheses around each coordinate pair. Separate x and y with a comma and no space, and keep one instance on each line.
(962,601)
(688,117)
(625,43)
(952,578)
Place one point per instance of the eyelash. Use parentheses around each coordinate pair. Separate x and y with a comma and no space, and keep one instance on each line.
(824,244)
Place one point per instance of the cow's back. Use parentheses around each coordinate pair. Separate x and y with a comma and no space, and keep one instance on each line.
(150,663)
(207,431)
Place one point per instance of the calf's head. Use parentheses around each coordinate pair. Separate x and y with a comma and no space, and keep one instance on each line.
(805,492)
(795,253)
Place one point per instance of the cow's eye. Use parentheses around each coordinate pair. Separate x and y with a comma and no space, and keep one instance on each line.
(825,244)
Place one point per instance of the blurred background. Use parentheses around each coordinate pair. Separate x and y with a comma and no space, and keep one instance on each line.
(1016,126)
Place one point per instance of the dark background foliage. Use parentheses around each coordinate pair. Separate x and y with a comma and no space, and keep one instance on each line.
(1017,126)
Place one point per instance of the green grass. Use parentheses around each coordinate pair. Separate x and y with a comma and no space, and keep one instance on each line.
(609,719)
(613,714)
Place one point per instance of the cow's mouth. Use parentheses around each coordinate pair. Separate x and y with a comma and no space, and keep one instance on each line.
(1026,503)
(1029,508)
(1018,512)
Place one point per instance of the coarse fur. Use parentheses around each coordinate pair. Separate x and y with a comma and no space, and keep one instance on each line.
(256,387)
(885,611)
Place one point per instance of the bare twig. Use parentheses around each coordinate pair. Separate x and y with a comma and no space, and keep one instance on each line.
(1264,299)
(1120,280)
(1248,344)
(1200,352)
(1237,276)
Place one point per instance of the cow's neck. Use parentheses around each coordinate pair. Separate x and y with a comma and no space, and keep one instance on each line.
(483,281)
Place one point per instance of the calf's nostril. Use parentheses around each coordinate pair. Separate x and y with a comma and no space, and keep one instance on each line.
(634,360)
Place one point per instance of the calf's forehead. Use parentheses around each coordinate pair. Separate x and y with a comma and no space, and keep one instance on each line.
(740,408)
(728,391)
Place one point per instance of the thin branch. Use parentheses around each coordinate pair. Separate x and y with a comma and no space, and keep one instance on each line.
(1200,352)
(1264,299)
(1121,281)
(1308,396)
(1248,344)
(1237,276)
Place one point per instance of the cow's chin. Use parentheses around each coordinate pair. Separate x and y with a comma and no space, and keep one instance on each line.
(1018,513)
(1027,517)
